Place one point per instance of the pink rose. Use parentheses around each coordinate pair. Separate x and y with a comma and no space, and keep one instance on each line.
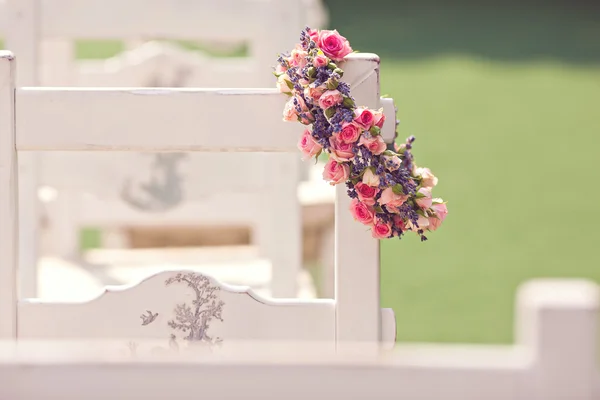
(399,223)
(369,178)
(434,223)
(314,93)
(364,117)
(282,85)
(425,201)
(375,144)
(306,118)
(280,69)
(381,230)
(289,111)
(298,57)
(350,132)
(392,200)
(361,212)
(392,163)
(308,145)
(336,172)
(341,151)
(441,211)
(378,119)
(330,98)
(301,103)
(314,35)
(428,179)
(366,193)
(320,61)
(334,45)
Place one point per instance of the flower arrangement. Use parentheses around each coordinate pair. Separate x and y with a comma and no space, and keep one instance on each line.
(390,194)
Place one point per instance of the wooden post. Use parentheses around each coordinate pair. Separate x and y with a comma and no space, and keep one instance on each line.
(8,199)
(358,310)
(557,320)
(22,38)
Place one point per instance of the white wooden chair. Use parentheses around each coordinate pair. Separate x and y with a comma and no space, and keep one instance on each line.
(178,305)
(30,23)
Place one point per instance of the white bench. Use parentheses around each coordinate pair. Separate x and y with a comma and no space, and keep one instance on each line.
(92,187)
(177,305)
(554,357)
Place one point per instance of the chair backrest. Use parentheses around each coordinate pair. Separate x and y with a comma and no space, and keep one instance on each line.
(179,304)
(266,25)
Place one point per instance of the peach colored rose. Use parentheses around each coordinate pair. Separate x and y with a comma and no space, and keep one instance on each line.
(423,223)
(336,172)
(391,200)
(308,145)
(392,163)
(441,211)
(369,178)
(424,202)
(289,111)
(320,61)
(334,45)
(378,118)
(282,83)
(350,132)
(380,229)
(361,212)
(366,193)
(364,117)
(330,98)
(341,151)
(298,58)
(375,144)
(428,179)
(314,93)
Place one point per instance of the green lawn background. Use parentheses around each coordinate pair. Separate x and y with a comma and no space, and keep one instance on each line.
(504,101)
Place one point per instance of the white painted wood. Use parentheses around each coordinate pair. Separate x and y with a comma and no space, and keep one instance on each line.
(280,233)
(558,321)
(8,199)
(553,316)
(70,18)
(22,33)
(245,315)
(138,119)
(57,66)
(92,112)
(356,252)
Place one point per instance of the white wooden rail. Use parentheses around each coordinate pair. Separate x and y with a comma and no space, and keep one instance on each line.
(80,119)
(554,358)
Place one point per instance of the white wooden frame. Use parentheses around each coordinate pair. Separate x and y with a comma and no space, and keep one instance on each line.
(554,357)
(53,119)
(30,21)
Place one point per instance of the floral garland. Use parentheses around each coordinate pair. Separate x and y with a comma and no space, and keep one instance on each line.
(390,194)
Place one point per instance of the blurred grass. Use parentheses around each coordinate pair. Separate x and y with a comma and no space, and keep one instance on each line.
(503,99)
